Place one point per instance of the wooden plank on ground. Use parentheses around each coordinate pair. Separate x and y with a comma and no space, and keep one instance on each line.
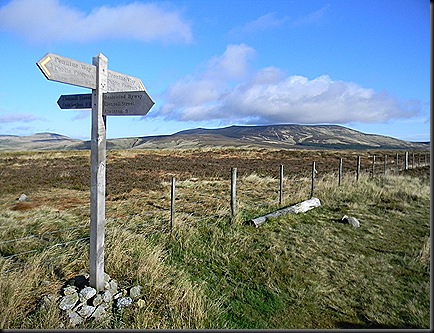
(301,207)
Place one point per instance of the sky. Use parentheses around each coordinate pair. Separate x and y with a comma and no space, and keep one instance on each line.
(360,64)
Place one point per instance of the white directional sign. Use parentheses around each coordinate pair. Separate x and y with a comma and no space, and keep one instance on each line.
(128,103)
(79,101)
(121,82)
(65,70)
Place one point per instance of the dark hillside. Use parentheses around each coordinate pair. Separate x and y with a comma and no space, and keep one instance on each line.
(271,136)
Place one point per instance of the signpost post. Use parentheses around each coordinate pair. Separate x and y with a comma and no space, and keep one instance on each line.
(112,94)
(97,176)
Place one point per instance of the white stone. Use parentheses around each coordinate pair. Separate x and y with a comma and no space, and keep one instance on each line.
(107,296)
(86,311)
(74,318)
(69,290)
(22,198)
(68,302)
(99,312)
(97,300)
(120,294)
(123,302)
(135,292)
(113,286)
(87,293)
(351,220)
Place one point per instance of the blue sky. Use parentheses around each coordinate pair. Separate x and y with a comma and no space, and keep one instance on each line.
(361,64)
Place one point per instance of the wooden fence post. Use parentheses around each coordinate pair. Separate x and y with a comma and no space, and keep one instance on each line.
(172,205)
(340,172)
(397,162)
(385,164)
(373,166)
(281,186)
(412,160)
(406,161)
(358,168)
(419,164)
(233,192)
(312,190)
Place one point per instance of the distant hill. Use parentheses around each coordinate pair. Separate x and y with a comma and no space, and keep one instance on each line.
(276,136)
(38,141)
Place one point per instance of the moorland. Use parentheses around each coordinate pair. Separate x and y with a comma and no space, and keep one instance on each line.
(213,270)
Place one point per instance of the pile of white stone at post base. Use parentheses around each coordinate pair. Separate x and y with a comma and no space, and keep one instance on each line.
(80,302)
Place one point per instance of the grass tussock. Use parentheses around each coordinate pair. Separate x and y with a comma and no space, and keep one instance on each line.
(172,300)
(212,271)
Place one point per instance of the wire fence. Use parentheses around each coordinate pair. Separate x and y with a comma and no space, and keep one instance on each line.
(192,200)
(270,192)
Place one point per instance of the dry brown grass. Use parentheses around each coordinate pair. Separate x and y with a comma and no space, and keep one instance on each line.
(301,271)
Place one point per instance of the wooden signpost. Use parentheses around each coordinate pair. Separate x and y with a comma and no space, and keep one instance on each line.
(112,94)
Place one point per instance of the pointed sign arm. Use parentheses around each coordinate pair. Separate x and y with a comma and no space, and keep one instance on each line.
(70,71)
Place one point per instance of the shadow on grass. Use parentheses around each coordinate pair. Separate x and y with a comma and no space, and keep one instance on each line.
(372,325)
(365,323)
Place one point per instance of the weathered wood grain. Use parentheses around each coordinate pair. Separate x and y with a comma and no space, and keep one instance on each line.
(301,207)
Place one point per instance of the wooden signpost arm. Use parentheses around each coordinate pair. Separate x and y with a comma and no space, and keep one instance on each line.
(98,175)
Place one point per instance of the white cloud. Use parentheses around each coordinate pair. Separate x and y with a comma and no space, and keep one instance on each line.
(201,91)
(229,91)
(320,100)
(312,17)
(49,20)
(19,117)
(81,114)
(232,64)
(264,22)
(273,21)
